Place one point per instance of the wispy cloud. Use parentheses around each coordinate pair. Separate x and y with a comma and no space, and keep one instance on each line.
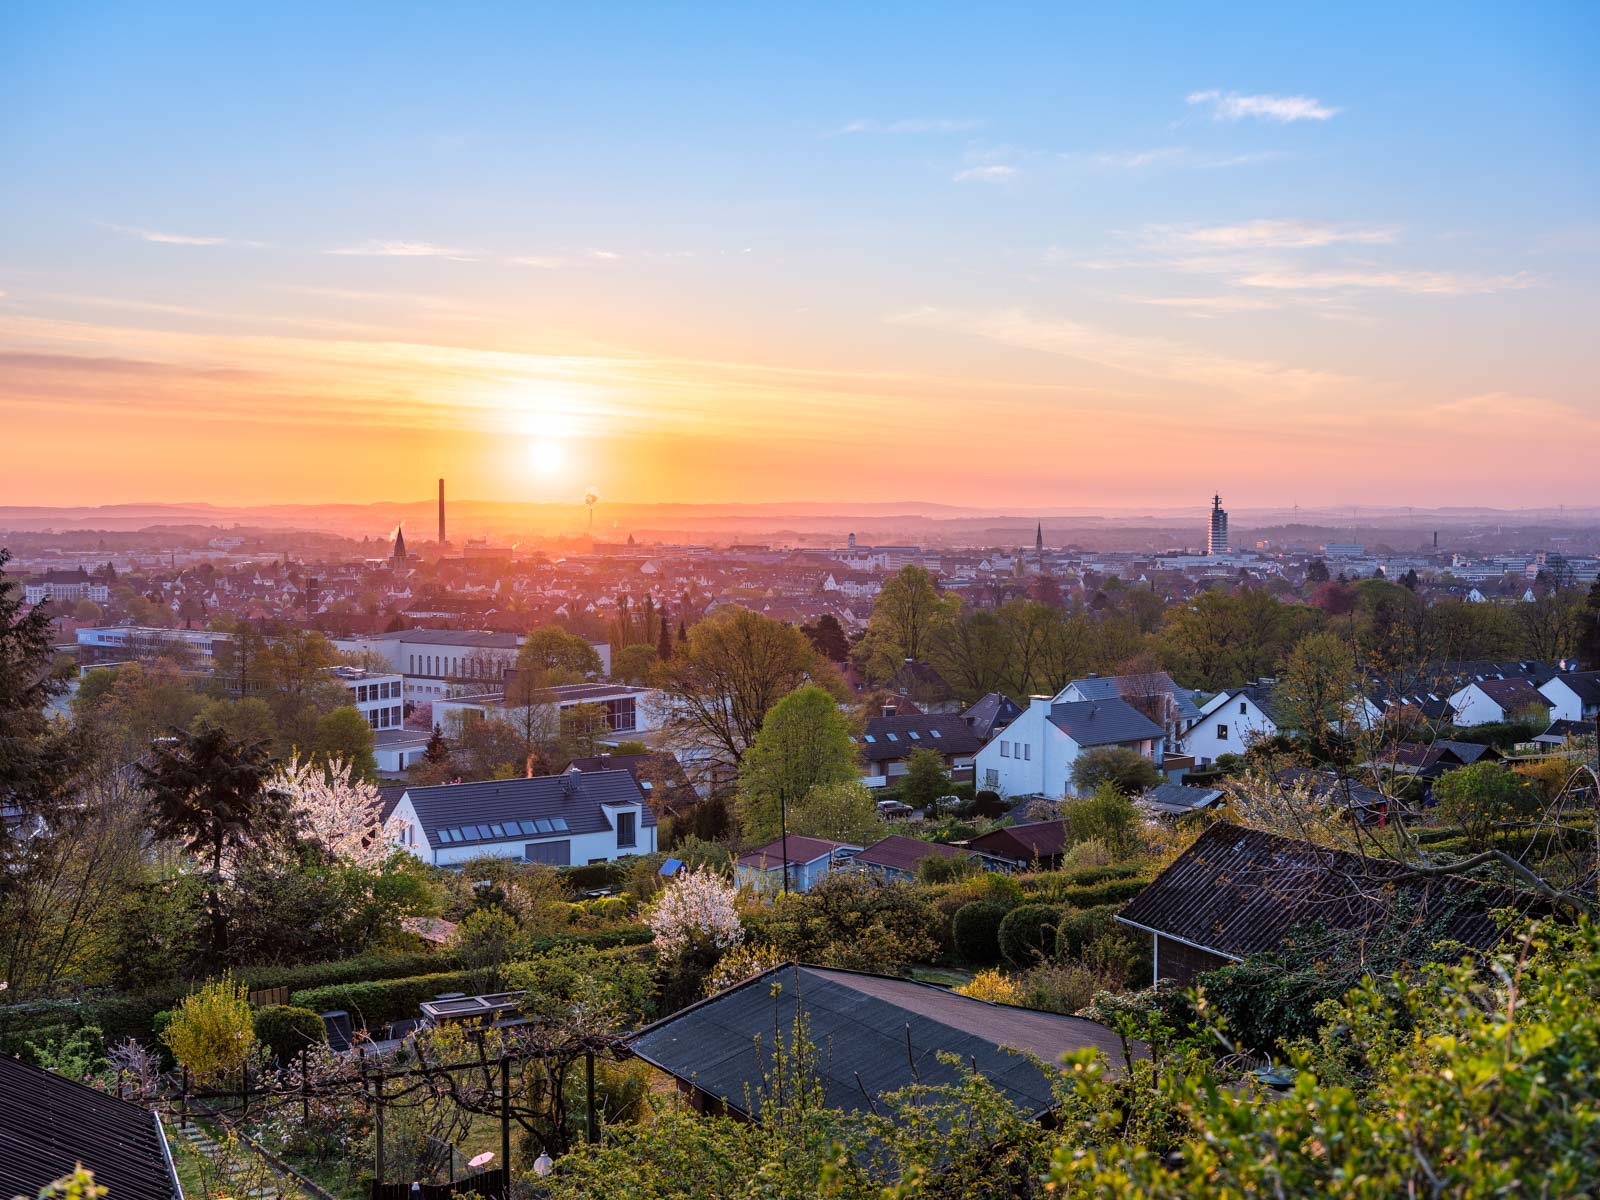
(1231,106)
(908,125)
(378,248)
(1140,158)
(1425,283)
(164,238)
(1269,234)
(997,173)
(1175,157)
(544,262)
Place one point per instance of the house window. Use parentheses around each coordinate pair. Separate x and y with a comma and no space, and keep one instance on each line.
(991,778)
(1005,749)
(555,854)
(1222,733)
(626,835)
(1027,751)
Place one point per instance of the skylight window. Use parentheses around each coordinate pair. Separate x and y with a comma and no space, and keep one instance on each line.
(871,738)
(934,733)
(915,736)
(893,738)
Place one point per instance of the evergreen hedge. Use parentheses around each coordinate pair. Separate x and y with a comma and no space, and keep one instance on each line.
(975,932)
(1028,934)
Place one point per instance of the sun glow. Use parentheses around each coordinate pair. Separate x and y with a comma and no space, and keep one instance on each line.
(546,456)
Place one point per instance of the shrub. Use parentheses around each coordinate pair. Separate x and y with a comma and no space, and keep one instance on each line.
(741,963)
(594,876)
(1106,815)
(993,986)
(212,1031)
(1128,771)
(939,869)
(1028,934)
(987,803)
(975,931)
(1064,987)
(1079,927)
(285,1031)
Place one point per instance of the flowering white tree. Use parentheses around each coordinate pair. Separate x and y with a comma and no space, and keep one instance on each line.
(339,811)
(695,912)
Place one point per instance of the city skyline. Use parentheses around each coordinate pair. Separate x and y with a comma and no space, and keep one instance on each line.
(789,256)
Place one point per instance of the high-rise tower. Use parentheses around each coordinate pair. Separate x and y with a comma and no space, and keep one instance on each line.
(1218,542)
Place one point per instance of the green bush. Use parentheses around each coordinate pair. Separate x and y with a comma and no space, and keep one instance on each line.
(285,1031)
(1079,927)
(593,876)
(1114,891)
(975,930)
(1028,934)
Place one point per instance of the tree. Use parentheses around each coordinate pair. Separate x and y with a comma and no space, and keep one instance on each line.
(437,750)
(840,812)
(1481,798)
(1317,572)
(904,617)
(695,915)
(722,682)
(564,657)
(1588,640)
(346,736)
(828,636)
(1130,772)
(1320,689)
(805,742)
(1106,814)
(635,664)
(338,810)
(34,770)
(211,793)
(925,780)
(1552,623)
(664,636)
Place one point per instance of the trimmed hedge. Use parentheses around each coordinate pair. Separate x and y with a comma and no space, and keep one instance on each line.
(975,932)
(1081,927)
(1115,891)
(286,1031)
(378,1002)
(1028,934)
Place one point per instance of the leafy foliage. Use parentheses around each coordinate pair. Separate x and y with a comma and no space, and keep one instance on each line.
(975,930)
(1028,934)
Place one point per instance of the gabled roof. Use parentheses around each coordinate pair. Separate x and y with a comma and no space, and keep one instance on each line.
(991,714)
(801,850)
(1512,694)
(570,804)
(1585,683)
(1023,843)
(1239,891)
(1332,788)
(901,853)
(49,1124)
(889,738)
(1175,799)
(874,1035)
(1111,687)
(1103,722)
(919,681)
(659,775)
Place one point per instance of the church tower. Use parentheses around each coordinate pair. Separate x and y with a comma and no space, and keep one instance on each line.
(399,554)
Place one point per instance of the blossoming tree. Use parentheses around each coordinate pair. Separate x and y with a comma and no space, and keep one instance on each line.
(341,811)
(695,913)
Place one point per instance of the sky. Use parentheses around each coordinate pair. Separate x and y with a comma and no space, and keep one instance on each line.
(1096,255)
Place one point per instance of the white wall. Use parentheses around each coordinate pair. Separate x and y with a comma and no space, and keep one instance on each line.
(1205,741)
(1472,707)
(1028,756)
(1565,704)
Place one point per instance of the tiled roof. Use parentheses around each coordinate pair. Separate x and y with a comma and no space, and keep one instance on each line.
(888,738)
(802,850)
(572,804)
(880,1035)
(1103,722)
(1111,687)
(904,853)
(1240,891)
(49,1124)
(1512,694)
(992,713)
(1024,843)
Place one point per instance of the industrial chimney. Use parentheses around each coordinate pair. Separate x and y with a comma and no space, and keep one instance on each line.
(441,513)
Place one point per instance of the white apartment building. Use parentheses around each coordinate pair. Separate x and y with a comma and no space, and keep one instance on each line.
(378,697)
(441,663)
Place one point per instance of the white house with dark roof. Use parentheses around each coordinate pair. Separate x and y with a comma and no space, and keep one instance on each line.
(561,820)
(1489,701)
(886,744)
(1034,755)
(1229,722)
(1574,696)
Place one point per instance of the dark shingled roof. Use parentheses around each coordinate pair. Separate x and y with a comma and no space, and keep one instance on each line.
(1513,694)
(802,850)
(49,1124)
(1103,722)
(1585,683)
(991,714)
(1240,891)
(577,798)
(1175,799)
(858,1024)
(1112,687)
(886,739)
(904,853)
(1023,843)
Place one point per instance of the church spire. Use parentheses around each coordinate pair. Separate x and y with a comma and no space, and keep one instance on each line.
(399,544)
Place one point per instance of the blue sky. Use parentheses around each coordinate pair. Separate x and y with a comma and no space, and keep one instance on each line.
(708,252)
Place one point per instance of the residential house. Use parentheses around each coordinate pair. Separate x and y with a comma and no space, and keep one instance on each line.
(1039,844)
(887,742)
(801,862)
(562,820)
(1153,693)
(897,857)
(924,687)
(1490,701)
(1574,696)
(660,777)
(1429,761)
(990,714)
(1035,754)
(1230,721)
(1238,892)
(881,1035)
